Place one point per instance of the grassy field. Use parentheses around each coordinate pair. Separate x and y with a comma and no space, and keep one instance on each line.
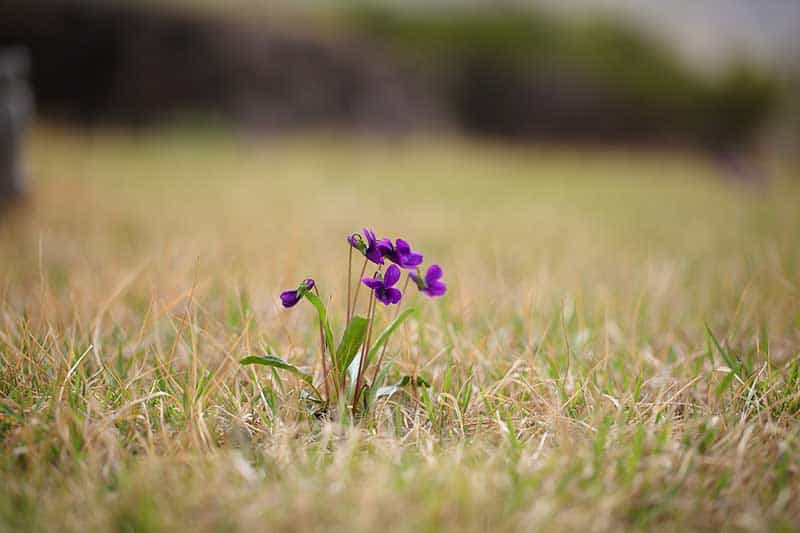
(618,347)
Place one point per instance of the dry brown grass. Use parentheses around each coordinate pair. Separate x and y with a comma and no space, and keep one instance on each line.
(574,383)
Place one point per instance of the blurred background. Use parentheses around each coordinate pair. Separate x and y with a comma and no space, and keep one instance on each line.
(158,117)
(717,75)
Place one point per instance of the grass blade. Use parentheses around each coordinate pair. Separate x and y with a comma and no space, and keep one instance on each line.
(386,333)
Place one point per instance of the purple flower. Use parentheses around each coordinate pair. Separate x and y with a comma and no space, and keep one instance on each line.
(374,249)
(402,254)
(290,298)
(430,284)
(384,291)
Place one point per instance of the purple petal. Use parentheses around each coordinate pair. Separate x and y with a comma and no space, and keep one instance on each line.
(392,276)
(383,296)
(370,237)
(392,295)
(403,248)
(433,274)
(289,298)
(372,283)
(437,288)
(374,255)
(412,260)
(309,283)
(384,245)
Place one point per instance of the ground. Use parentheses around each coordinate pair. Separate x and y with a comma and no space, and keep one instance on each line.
(618,347)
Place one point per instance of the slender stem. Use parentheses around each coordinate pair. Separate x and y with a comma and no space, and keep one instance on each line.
(322,354)
(349,283)
(364,352)
(358,285)
(383,350)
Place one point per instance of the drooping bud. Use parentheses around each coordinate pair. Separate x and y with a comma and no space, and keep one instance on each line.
(290,298)
(357,242)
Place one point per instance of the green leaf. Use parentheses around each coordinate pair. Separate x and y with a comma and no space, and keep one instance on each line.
(725,384)
(352,368)
(732,362)
(307,396)
(202,386)
(352,372)
(464,396)
(379,378)
(323,318)
(388,390)
(275,362)
(386,333)
(427,402)
(352,339)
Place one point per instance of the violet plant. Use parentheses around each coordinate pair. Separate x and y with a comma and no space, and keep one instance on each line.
(346,366)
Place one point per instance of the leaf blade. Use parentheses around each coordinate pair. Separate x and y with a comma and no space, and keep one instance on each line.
(322,314)
(388,390)
(387,332)
(275,362)
(352,339)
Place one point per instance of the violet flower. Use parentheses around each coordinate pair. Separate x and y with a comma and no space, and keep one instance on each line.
(430,284)
(374,249)
(384,291)
(402,254)
(290,298)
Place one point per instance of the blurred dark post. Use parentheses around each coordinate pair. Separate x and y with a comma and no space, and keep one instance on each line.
(16,107)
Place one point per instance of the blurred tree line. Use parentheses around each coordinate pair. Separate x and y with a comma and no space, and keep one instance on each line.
(522,73)
(511,73)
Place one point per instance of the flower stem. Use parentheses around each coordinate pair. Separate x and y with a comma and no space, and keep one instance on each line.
(322,354)
(358,286)
(349,282)
(383,350)
(362,363)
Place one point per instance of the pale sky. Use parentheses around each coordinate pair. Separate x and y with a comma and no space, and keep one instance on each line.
(710,31)
(707,32)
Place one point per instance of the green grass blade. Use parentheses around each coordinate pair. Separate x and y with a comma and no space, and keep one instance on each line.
(386,333)
(732,363)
